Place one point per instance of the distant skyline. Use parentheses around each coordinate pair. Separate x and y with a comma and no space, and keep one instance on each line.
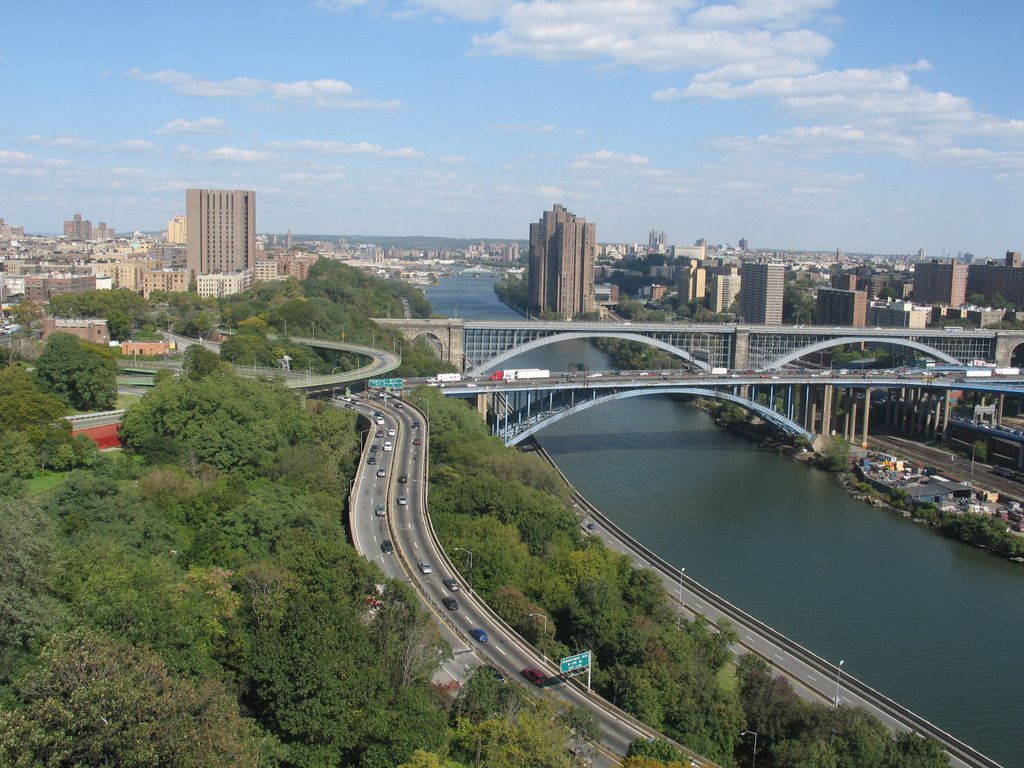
(870,126)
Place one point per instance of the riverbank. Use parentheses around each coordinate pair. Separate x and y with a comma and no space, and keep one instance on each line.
(988,531)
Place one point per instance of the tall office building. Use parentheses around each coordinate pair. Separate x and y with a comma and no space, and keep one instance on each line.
(940,282)
(563,249)
(176,231)
(762,292)
(221,230)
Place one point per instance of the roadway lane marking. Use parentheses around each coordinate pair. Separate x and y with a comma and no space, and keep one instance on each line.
(498,649)
(813,678)
(778,657)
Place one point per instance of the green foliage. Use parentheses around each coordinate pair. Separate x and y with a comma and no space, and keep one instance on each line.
(513,290)
(200,362)
(29,557)
(93,700)
(836,457)
(225,421)
(979,450)
(528,557)
(81,374)
(122,309)
(33,429)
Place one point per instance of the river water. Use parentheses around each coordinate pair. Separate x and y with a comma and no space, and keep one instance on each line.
(932,623)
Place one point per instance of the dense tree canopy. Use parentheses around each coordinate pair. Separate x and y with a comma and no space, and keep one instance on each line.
(81,374)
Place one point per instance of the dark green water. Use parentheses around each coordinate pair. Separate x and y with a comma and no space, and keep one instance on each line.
(934,624)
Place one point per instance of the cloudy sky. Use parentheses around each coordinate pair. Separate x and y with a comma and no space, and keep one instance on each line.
(875,126)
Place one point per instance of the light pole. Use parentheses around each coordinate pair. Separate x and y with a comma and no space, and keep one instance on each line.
(679,616)
(839,671)
(753,752)
(470,580)
(972,461)
(545,617)
(342,334)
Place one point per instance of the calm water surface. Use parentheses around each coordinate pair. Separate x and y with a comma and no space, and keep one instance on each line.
(934,624)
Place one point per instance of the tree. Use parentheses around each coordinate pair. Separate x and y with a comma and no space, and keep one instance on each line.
(200,362)
(93,700)
(979,450)
(82,374)
(837,455)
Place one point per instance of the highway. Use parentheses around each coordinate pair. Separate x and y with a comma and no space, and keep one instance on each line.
(408,528)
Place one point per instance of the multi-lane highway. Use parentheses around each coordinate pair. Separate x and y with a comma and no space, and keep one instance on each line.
(413,543)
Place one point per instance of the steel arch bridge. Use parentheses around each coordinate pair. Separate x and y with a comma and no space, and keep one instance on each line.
(521,413)
(477,345)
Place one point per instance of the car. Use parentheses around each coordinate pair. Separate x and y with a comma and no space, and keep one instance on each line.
(382,472)
(403,478)
(591,526)
(452,584)
(417,441)
(388,446)
(450,603)
(415,425)
(478,634)
(379,421)
(402,501)
(534,675)
(398,405)
(374,448)
(379,511)
(425,568)
(372,460)
(379,433)
(387,547)
(391,432)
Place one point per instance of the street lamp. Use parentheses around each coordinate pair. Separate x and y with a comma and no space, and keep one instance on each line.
(463,549)
(545,617)
(839,671)
(753,752)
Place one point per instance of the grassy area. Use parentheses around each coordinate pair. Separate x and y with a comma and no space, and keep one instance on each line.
(726,677)
(123,401)
(44,482)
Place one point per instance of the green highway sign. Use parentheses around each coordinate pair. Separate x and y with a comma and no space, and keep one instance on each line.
(386,383)
(573,663)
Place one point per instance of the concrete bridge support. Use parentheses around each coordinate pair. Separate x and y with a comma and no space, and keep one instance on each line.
(867,418)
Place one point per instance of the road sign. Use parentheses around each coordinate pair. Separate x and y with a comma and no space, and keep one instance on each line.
(386,383)
(573,663)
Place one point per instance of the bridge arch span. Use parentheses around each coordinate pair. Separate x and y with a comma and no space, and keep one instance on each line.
(777,419)
(840,341)
(501,357)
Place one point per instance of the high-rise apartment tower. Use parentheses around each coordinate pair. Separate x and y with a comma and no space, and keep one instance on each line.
(762,292)
(563,249)
(221,230)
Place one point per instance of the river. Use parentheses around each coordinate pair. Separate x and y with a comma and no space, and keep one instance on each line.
(931,623)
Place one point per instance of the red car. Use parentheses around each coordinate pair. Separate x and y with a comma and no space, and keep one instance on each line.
(535,676)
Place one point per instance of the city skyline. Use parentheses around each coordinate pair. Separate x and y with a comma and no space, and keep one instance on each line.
(802,124)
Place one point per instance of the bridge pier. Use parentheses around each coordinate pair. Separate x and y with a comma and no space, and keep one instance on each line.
(867,418)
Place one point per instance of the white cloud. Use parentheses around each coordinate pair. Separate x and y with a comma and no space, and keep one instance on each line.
(453,159)
(345,148)
(8,156)
(466,10)
(654,34)
(324,93)
(202,125)
(75,143)
(605,158)
(227,154)
(549,191)
(521,128)
(775,13)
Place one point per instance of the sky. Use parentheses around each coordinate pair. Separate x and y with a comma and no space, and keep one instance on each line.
(868,126)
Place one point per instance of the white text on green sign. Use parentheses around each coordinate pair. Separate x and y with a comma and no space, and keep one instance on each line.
(572,663)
